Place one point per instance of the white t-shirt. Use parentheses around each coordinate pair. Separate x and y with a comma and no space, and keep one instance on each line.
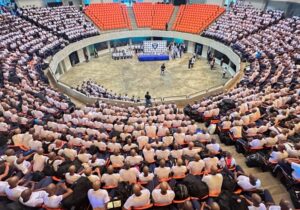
(261,207)
(71,179)
(149,155)
(110,179)
(129,175)
(23,167)
(196,166)
(179,170)
(162,199)
(162,173)
(244,183)
(98,198)
(149,178)
(134,201)
(117,160)
(39,162)
(36,199)
(14,193)
(53,201)
(136,160)
(3,185)
(214,183)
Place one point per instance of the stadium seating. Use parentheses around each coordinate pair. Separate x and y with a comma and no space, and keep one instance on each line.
(43,133)
(66,21)
(196,17)
(109,16)
(153,16)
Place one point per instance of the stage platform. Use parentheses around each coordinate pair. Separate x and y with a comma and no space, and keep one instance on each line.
(153,57)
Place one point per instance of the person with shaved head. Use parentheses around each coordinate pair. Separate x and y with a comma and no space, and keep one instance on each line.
(110,178)
(53,199)
(98,197)
(214,181)
(163,194)
(140,197)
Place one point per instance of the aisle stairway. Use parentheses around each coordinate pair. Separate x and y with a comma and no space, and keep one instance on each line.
(173,18)
(277,190)
(132,18)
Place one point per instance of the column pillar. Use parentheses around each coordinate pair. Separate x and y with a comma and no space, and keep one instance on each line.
(66,64)
(108,46)
(81,55)
(204,51)
(191,47)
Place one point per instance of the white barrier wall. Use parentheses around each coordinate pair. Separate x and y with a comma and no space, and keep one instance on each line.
(27,3)
(215,2)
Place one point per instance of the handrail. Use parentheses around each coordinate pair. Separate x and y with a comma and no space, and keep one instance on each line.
(180,96)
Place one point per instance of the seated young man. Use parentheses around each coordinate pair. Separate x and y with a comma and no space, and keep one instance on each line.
(214,181)
(140,197)
(163,194)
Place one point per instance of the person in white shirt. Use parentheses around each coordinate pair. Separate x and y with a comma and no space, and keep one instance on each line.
(13,190)
(210,162)
(140,197)
(145,176)
(72,176)
(196,166)
(128,174)
(278,155)
(98,197)
(90,174)
(39,160)
(255,203)
(214,181)
(179,169)
(31,198)
(110,178)
(213,147)
(163,153)
(116,159)
(22,165)
(52,200)
(248,183)
(134,159)
(283,205)
(162,172)
(163,194)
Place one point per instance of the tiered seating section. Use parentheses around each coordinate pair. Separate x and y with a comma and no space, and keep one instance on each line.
(109,16)
(38,123)
(195,18)
(66,21)
(154,16)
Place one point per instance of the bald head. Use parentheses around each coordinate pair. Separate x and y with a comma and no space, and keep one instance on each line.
(285,204)
(163,187)
(25,195)
(96,185)
(13,181)
(136,190)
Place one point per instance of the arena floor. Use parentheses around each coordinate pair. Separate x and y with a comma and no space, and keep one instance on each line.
(135,78)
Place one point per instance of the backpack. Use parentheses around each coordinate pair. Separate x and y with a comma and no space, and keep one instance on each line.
(254,160)
(224,200)
(123,192)
(181,192)
(48,169)
(229,183)
(195,186)
(295,196)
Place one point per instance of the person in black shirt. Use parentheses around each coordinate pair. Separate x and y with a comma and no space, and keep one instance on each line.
(162,69)
(148,99)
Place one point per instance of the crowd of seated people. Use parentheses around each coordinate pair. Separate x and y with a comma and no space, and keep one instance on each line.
(54,155)
(266,118)
(142,156)
(65,21)
(92,89)
(241,21)
(21,36)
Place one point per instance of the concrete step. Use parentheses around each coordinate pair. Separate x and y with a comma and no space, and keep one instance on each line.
(173,18)
(132,17)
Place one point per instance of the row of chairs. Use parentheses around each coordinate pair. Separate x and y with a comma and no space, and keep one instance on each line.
(154,16)
(195,18)
(109,16)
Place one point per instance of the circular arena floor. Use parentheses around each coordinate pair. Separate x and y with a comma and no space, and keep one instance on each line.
(135,78)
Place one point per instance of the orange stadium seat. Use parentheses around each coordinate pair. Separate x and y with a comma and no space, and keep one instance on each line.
(154,16)
(197,17)
(109,16)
